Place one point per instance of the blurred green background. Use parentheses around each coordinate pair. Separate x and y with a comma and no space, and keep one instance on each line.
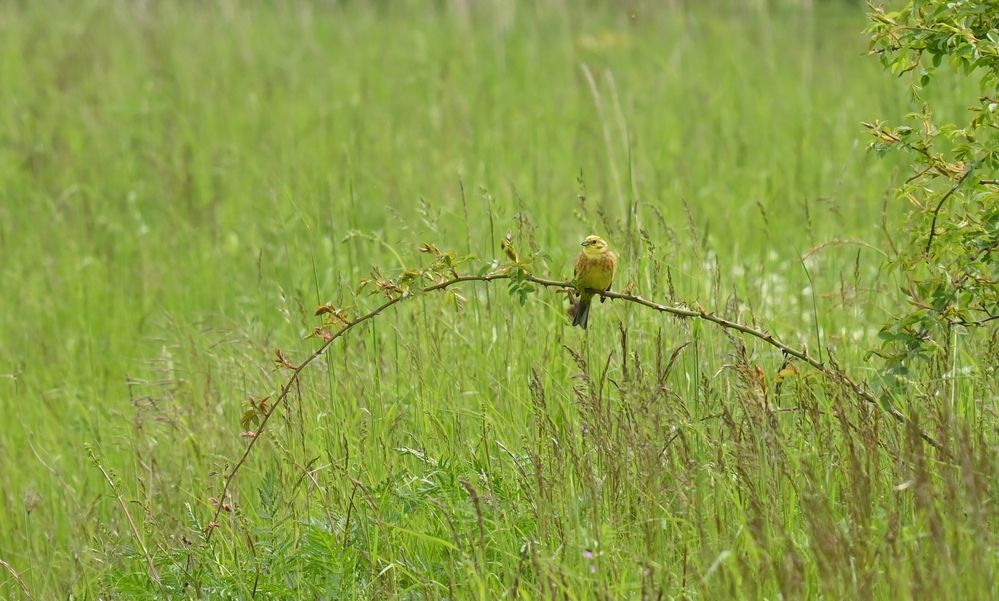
(182,184)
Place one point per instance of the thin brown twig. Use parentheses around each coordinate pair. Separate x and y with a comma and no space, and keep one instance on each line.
(934,162)
(802,355)
(974,322)
(296,372)
(936,211)
(835,375)
(919,174)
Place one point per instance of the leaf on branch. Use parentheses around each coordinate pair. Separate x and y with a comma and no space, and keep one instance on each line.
(332,314)
(506,245)
(250,418)
(319,332)
(281,361)
(430,249)
(227,507)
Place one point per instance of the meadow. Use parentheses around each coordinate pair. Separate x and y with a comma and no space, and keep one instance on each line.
(182,185)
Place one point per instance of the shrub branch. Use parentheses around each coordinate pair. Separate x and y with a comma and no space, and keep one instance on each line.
(826,368)
(936,210)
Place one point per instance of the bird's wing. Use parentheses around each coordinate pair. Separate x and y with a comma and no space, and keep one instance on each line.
(580,265)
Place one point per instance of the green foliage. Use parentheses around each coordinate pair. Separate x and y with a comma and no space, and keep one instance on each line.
(950,257)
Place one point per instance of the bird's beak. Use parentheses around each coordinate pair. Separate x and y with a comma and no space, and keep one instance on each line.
(585,243)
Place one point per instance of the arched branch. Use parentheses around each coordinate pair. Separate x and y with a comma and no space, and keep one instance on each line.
(830,371)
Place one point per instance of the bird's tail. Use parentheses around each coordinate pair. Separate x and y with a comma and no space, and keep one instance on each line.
(581,314)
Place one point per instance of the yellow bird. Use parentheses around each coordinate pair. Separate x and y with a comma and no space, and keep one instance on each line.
(594,273)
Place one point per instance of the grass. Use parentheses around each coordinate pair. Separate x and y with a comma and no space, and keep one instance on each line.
(181,186)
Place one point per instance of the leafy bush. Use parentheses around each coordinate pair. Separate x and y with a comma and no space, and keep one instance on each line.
(949,261)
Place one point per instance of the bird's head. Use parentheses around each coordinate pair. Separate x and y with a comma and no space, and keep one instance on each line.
(594,246)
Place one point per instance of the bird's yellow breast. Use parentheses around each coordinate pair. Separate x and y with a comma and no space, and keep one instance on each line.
(595,272)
